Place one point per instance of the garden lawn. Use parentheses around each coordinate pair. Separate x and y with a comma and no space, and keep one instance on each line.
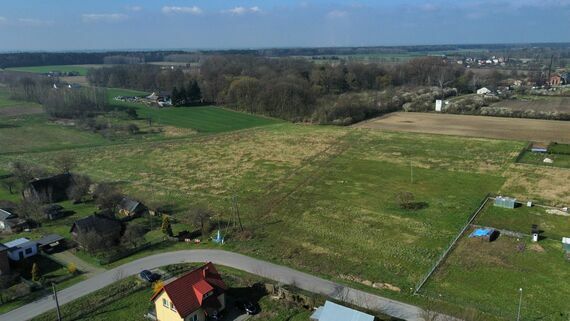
(559,160)
(487,276)
(521,219)
(208,119)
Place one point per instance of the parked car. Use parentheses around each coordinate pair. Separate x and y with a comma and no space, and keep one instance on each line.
(248,307)
(149,276)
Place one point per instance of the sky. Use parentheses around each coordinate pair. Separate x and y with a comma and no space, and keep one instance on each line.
(56,25)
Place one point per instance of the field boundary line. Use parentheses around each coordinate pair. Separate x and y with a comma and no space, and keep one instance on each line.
(450,247)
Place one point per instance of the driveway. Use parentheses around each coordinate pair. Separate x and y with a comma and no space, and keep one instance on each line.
(254,266)
(68,257)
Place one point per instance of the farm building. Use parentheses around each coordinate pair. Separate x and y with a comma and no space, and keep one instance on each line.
(505,202)
(104,227)
(334,312)
(9,222)
(21,249)
(131,208)
(50,189)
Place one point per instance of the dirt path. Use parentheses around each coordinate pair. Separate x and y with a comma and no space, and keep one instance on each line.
(68,257)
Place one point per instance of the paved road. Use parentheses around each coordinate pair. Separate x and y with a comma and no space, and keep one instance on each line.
(265,269)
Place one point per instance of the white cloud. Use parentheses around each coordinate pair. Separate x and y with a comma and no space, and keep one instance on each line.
(238,11)
(187,10)
(337,14)
(31,22)
(134,8)
(104,17)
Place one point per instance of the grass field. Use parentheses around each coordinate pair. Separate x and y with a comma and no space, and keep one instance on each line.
(487,276)
(322,198)
(474,126)
(10,107)
(318,198)
(207,119)
(81,69)
(559,160)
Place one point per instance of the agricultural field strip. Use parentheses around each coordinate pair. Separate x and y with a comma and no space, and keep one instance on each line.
(195,138)
(336,149)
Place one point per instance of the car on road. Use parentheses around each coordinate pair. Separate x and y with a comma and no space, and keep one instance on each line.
(249,307)
(149,276)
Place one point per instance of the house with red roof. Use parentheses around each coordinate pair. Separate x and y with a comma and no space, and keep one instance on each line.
(192,297)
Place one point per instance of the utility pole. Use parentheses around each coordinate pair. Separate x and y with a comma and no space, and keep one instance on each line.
(411,173)
(56,302)
(520,304)
(236,213)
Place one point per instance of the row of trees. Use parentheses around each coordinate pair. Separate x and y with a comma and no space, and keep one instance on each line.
(58,100)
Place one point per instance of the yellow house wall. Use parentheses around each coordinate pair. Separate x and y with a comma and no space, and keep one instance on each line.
(163,313)
(166,314)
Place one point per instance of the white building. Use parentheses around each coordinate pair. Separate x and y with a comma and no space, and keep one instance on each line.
(21,249)
(483,91)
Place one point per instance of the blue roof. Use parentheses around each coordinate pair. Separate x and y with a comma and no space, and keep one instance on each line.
(481,232)
(17,242)
(334,312)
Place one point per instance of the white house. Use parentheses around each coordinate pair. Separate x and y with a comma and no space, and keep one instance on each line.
(483,91)
(21,248)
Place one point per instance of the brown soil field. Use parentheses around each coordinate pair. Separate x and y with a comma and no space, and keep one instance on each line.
(474,126)
(548,104)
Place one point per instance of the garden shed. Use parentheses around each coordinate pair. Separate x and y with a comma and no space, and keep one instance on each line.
(505,202)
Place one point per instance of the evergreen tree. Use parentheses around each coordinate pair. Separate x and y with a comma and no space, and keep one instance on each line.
(194,93)
(35,272)
(166,226)
(175,96)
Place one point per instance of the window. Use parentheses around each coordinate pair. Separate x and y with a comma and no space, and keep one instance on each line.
(28,251)
(165,302)
(172,306)
(209,294)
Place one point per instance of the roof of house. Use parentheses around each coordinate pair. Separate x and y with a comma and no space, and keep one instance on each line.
(19,243)
(334,312)
(49,239)
(3,247)
(129,204)
(57,185)
(4,215)
(187,292)
(99,224)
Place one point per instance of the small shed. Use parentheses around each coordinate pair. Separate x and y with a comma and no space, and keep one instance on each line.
(505,202)
(335,312)
(51,243)
(54,211)
(21,248)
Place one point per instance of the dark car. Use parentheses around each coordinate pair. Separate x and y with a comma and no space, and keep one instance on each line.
(248,307)
(149,276)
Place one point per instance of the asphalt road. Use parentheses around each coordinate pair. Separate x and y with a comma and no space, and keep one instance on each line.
(265,269)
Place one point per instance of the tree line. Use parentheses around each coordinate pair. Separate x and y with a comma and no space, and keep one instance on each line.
(58,100)
(294,89)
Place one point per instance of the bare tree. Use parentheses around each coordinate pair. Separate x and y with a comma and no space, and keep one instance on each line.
(201,217)
(405,200)
(30,209)
(107,197)
(80,187)
(65,162)
(92,242)
(134,235)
